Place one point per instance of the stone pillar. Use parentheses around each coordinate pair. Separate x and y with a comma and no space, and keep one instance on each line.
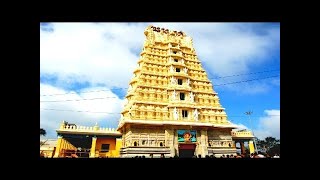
(203,143)
(68,145)
(175,143)
(251,146)
(62,148)
(64,142)
(93,147)
(170,141)
(243,150)
(58,148)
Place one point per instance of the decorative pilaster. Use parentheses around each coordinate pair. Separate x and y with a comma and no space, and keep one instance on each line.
(203,143)
(251,146)
(169,135)
(58,148)
(93,147)
(243,150)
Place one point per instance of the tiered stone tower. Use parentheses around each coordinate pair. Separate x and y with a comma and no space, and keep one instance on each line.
(170,96)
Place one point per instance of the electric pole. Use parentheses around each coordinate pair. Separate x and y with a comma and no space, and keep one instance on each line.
(249,115)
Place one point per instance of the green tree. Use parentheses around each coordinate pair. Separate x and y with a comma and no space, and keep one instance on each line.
(261,144)
(274,150)
(271,144)
(43,132)
(271,141)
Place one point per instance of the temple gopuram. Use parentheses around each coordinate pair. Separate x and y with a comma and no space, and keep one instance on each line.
(171,107)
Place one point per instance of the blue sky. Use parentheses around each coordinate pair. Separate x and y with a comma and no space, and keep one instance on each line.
(96,60)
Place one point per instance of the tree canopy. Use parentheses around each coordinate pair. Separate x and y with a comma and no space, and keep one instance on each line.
(271,144)
(42,132)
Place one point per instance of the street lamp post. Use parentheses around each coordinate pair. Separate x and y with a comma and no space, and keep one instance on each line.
(249,114)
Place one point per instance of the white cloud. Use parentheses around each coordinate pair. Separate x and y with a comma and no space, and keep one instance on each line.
(229,48)
(240,127)
(269,125)
(97,53)
(232,48)
(108,52)
(50,120)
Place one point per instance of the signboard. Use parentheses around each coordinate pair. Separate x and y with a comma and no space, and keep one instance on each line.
(187,136)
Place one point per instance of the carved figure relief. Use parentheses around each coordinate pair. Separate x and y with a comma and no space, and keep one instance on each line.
(175,114)
(171,69)
(195,114)
(191,97)
(185,70)
(174,95)
(188,82)
(174,81)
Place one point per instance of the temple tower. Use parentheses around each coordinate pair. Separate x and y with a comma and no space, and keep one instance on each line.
(171,107)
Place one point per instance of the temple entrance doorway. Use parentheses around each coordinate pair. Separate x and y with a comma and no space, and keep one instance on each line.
(81,142)
(186,150)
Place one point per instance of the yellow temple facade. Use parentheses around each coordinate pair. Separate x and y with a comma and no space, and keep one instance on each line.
(242,136)
(91,141)
(171,107)
(82,141)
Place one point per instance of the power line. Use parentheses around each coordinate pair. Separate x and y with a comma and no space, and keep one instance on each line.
(245,74)
(78,99)
(236,82)
(78,111)
(75,92)
(251,116)
(127,88)
(120,113)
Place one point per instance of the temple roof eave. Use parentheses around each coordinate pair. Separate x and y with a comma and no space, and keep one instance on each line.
(242,138)
(88,132)
(150,122)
